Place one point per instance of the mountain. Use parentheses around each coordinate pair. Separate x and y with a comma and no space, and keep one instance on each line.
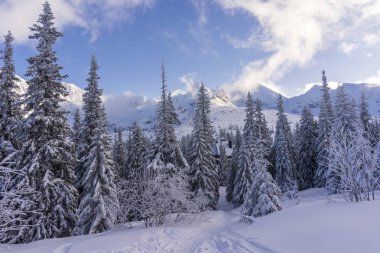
(354,90)
(266,95)
(128,107)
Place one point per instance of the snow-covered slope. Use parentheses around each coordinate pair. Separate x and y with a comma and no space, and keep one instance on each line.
(316,224)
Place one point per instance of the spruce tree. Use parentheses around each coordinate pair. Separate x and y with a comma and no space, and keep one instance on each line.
(352,167)
(262,125)
(325,120)
(204,178)
(263,197)
(137,155)
(343,132)
(166,177)
(98,204)
(15,203)
(10,111)
(46,157)
(119,153)
(244,173)
(174,116)
(369,126)
(223,165)
(76,130)
(166,147)
(306,154)
(234,166)
(284,155)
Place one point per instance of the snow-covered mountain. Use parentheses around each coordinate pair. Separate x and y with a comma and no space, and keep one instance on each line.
(311,97)
(123,109)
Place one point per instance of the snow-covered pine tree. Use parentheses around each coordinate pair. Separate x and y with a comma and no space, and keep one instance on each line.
(137,157)
(98,204)
(296,142)
(174,115)
(10,111)
(167,182)
(132,182)
(375,132)
(15,207)
(203,175)
(306,152)
(325,121)
(186,146)
(119,153)
(166,147)
(92,103)
(46,157)
(243,177)
(352,166)
(223,167)
(263,197)
(76,130)
(262,125)
(343,129)
(283,145)
(234,163)
(364,116)
(369,127)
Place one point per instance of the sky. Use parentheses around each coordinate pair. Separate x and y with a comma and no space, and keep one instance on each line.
(228,44)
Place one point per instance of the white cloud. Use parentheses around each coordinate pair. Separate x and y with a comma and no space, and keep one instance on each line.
(191,82)
(294,31)
(374,79)
(19,15)
(200,7)
(347,48)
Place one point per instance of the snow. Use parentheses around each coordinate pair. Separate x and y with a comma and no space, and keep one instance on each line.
(317,223)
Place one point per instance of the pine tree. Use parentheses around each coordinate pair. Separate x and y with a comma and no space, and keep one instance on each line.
(166,148)
(352,167)
(264,195)
(137,156)
(98,204)
(166,183)
(369,126)
(234,166)
(324,133)
(174,116)
(15,207)
(76,130)
(119,153)
(204,178)
(244,173)
(223,165)
(306,150)
(262,125)
(186,146)
(10,110)
(284,155)
(46,158)
(343,132)
(365,117)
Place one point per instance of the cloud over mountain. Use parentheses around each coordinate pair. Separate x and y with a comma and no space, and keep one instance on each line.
(292,32)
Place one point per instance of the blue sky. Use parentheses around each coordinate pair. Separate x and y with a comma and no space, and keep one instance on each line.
(233,44)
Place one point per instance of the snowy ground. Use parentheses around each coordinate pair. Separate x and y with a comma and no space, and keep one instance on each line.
(317,223)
